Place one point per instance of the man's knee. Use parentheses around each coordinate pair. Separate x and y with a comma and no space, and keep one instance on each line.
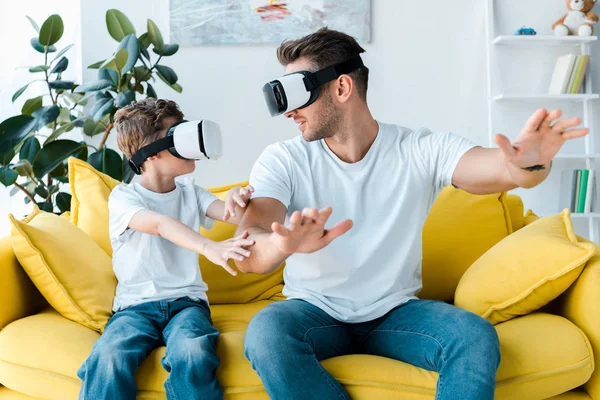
(268,333)
(478,337)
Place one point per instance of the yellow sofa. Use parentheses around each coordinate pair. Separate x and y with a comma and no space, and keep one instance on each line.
(547,354)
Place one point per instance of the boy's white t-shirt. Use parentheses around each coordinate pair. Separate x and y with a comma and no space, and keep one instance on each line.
(149,267)
(375,266)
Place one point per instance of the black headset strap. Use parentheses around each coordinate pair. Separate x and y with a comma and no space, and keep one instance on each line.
(153,148)
(332,72)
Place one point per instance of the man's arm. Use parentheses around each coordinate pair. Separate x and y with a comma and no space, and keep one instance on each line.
(257,221)
(274,243)
(485,171)
(524,163)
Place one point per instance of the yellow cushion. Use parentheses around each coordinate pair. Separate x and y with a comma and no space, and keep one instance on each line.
(89,202)
(68,268)
(459,229)
(542,356)
(525,271)
(89,211)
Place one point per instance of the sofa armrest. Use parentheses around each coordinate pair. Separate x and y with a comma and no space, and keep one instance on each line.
(581,305)
(18,296)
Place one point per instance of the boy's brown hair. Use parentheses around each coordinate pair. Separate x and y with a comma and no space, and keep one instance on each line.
(140,123)
(323,48)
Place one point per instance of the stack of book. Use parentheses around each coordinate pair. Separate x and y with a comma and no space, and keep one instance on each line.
(569,73)
(577,187)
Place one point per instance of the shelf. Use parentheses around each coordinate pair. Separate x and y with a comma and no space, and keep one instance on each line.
(549,40)
(543,97)
(576,156)
(573,215)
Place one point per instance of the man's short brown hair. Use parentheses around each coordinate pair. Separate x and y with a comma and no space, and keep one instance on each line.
(323,48)
(140,123)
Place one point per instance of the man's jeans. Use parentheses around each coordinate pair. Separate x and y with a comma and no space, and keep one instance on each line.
(287,339)
(184,325)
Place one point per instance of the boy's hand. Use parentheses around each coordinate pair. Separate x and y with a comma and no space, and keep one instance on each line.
(237,196)
(221,252)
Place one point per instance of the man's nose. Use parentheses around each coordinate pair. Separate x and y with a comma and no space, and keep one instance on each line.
(289,114)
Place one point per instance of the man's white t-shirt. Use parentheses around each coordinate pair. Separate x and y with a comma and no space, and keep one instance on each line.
(375,266)
(149,267)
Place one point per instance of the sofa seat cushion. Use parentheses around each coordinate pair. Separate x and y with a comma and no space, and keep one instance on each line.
(542,356)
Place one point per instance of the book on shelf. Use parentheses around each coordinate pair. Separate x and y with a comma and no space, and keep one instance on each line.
(569,74)
(578,190)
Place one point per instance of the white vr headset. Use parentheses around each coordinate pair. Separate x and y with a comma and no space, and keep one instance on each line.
(192,140)
(301,89)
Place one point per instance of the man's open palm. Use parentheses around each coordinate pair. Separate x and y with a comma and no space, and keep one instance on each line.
(306,231)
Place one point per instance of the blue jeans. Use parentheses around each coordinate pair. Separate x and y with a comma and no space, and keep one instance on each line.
(183,325)
(286,340)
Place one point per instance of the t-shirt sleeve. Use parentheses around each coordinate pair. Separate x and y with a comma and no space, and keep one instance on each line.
(442,152)
(271,175)
(123,203)
(205,199)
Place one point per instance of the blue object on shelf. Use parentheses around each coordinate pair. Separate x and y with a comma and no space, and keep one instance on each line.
(525,30)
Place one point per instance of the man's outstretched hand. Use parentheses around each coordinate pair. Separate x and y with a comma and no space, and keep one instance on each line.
(306,231)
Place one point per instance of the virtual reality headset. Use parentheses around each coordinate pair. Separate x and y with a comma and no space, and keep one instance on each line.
(301,89)
(192,140)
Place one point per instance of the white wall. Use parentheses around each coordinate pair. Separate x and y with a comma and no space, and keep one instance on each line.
(427,69)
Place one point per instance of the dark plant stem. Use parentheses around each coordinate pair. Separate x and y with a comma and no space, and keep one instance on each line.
(26,192)
(105,137)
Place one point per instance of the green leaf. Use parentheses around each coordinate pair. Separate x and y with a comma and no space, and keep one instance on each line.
(139,88)
(92,128)
(64,117)
(166,74)
(52,155)
(141,73)
(24,168)
(168,50)
(51,30)
(8,176)
(59,131)
(60,53)
(109,75)
(7,153)
(39,68)
(107,161)
(31,105)
(101,108)
(118,25)
(144,51)
(128,173)
(83,153)
(35,43)
(125,98)
(60,66)
(52,189)
(13,191)
(63,202)
(61,85)
(19,92)
(144,40)
(60,170)
(118,61)
(155,36)
(93,86)
(151,92)
(30,149)
(42,192)
(35,26)
(96,65)
(15,129)
(177,87)
(130,43)
(45,206)
(45,115)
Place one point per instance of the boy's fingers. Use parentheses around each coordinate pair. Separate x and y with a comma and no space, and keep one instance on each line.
(243,235)
(228,268)
(239,201)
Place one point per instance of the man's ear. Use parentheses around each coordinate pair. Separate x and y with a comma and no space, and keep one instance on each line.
(345,86)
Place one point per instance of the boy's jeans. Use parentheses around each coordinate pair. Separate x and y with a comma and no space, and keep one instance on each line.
(286,340)
(184,325)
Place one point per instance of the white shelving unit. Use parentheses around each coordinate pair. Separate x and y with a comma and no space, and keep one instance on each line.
(495,41)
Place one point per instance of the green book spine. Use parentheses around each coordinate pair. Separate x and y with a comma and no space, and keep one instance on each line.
(582,190)
(578,74)
(576,190)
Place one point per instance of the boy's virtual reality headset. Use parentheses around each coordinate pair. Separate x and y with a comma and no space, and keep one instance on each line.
(301,89)
(192,140)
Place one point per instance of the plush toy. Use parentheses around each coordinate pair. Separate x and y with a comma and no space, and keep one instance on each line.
(579,20)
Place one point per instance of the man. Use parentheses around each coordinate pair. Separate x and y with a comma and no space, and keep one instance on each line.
(357,294)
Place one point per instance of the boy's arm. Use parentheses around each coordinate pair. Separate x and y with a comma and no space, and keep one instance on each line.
(153,223)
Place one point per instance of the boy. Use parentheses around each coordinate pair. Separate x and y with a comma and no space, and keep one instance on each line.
(161,297)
